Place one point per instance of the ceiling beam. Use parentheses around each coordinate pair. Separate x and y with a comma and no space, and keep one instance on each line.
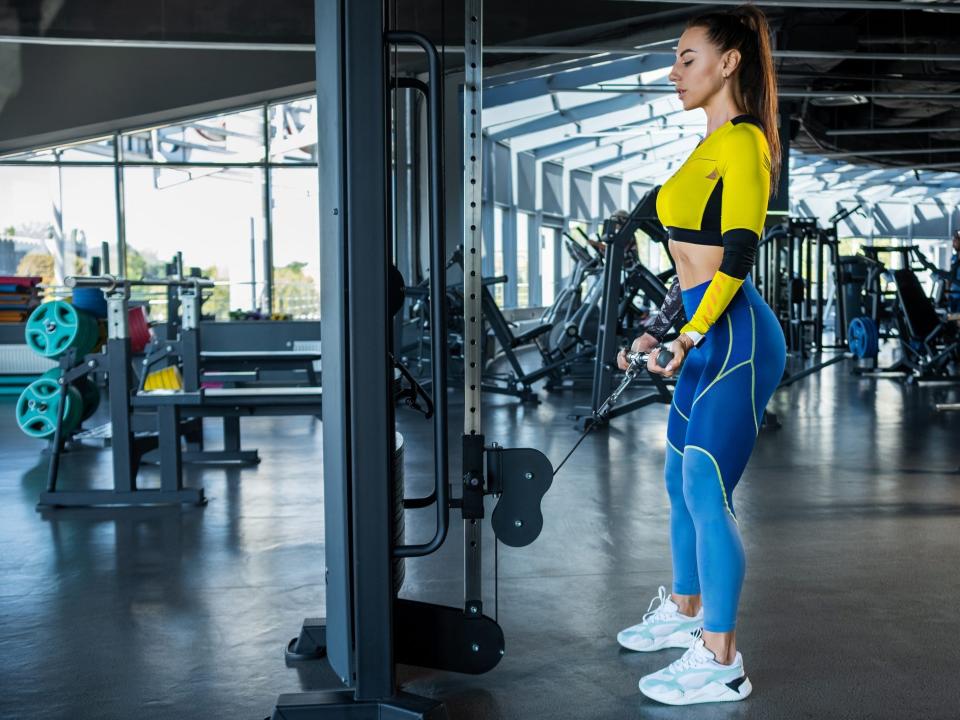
(572,115)
(606,70)
(948,7)
(891,131)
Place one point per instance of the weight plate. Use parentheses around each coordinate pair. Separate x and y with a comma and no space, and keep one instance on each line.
(55,327)
(37,408)
(863,338)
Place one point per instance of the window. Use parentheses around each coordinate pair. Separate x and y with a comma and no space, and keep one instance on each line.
(523,262)
(235,192)
(54,219)
(227,138)
(296,252)
(293,132)
(548,257)
(576,230)
(213,216)
(498,253)
(96,150)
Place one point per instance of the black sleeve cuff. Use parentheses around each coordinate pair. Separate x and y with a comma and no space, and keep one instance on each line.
(739,252)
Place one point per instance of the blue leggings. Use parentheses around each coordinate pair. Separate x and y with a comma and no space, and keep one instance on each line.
(717,408)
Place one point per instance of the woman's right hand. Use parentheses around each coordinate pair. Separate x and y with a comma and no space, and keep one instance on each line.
(645,343)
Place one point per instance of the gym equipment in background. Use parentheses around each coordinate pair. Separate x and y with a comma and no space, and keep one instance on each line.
(617,235)
(799,274)
(115,359)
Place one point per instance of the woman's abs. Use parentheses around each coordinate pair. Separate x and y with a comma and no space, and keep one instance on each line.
(696,264)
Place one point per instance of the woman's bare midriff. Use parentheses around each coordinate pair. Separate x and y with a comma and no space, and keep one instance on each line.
(696,264)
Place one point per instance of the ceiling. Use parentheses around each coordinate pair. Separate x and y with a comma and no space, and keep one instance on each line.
(872,95)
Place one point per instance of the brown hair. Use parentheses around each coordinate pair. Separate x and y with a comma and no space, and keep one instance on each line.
(745,29)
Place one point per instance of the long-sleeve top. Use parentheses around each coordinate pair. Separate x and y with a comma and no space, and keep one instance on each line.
(719,197)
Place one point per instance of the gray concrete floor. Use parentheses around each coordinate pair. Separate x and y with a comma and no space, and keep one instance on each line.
(850,515)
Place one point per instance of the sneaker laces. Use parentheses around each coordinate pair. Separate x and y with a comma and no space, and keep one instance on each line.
(662,611)
(698,654)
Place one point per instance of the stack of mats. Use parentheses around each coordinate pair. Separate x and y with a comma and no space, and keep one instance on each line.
(18,297)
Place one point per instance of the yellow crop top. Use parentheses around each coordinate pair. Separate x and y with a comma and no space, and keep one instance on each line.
(719,197)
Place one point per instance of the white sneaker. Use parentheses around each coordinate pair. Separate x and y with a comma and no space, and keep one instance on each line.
(663,627)
(697,678)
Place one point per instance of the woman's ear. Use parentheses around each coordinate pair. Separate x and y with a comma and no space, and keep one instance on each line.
(730,62)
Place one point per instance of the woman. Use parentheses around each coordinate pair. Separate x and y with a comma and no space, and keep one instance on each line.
(730,354)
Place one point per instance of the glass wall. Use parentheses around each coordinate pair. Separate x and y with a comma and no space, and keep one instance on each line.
(235,192)
(497,289)
(549,244)
(523,262)
(53,219)
(214,216)
(296,252)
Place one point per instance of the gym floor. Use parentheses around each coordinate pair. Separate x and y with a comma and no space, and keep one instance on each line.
(850,515)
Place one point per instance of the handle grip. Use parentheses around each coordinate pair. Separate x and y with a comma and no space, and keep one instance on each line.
(438,288)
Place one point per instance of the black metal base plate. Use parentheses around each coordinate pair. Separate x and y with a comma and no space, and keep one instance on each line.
(341,705)
(222,457)
(445,638)
(137,498)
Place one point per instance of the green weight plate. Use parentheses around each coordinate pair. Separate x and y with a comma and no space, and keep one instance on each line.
(37,408)
(55,327)
(90,396)
(89,392)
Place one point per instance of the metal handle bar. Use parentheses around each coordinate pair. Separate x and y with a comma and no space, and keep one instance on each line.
(438,287)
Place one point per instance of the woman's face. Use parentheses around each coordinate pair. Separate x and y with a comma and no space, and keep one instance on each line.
(698,70)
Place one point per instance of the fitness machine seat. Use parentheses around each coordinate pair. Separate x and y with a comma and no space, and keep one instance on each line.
(929,342)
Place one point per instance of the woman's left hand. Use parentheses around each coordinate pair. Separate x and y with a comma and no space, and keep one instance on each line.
(679,347)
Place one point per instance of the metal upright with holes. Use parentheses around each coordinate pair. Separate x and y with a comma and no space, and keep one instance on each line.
(473,316)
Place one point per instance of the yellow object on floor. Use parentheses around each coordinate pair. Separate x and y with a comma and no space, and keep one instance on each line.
(168,378)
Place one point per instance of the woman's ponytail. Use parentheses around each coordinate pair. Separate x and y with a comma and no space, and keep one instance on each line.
(745,28)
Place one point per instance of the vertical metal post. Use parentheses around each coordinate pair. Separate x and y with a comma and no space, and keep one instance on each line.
(57,244)
(118,374)
(485,158)
(331,137)
(791,307)
(509,234)
(189,337)
(121,218)
(533,260)
(805,272)
(267,212)
(473,320)
(404,206)
(818,327)
(370,446)
(253,263)
(56,444)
